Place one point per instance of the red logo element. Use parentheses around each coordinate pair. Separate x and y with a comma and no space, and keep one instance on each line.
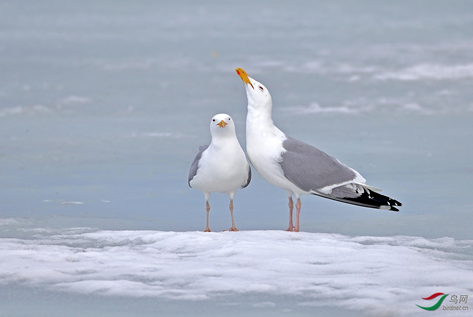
(432,296)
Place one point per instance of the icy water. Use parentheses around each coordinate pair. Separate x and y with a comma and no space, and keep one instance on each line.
(103,106)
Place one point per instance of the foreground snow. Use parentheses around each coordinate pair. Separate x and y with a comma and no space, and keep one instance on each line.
(376,274)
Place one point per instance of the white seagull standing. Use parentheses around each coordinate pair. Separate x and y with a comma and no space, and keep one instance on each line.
(221,166)
(297,167)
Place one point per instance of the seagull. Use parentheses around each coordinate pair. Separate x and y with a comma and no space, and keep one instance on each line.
(297,167)
(221,166)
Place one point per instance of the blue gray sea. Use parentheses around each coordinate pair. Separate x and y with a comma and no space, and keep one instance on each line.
(104,104)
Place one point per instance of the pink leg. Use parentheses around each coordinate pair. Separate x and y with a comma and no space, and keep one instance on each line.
(233,228)
(291,208)
(207,207)
(298,214)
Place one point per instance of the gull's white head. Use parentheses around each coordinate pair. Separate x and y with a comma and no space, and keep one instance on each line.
(221,125)
(258,95)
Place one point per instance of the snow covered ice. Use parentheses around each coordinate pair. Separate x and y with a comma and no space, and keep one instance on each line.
(370,274)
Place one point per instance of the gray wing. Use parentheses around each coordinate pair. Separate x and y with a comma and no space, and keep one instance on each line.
(309,168)
(195,164)
(248,180)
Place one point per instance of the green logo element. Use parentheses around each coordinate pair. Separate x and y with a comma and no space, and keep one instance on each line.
(437,305)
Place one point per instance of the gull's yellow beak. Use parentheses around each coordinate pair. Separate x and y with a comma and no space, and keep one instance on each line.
(243,76)
(222,124)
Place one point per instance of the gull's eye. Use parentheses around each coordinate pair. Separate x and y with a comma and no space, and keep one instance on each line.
(261,88)
(229,119)
(213,120)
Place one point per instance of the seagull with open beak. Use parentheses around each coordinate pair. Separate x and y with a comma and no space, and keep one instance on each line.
(297,167)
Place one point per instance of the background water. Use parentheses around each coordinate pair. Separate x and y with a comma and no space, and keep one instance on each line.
(103,105)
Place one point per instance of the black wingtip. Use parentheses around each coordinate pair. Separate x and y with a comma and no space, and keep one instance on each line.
(376,200)
(369,199)
(393,202)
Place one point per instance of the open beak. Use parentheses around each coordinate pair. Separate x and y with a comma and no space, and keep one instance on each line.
(243,76)
(222,124)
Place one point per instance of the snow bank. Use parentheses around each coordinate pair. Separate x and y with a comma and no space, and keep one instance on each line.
(363,273)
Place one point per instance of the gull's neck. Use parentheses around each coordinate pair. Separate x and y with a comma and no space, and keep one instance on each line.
(224,140)
(260,126)
(259,117)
